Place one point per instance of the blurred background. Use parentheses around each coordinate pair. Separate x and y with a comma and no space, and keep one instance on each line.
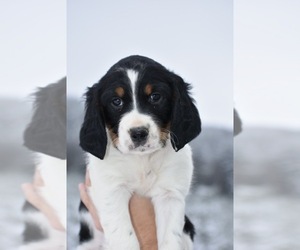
(32,55)
(195,40)
(267,152)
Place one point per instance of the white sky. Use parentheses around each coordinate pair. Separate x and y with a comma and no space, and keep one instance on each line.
(192,38)
(267,62)
(33,45)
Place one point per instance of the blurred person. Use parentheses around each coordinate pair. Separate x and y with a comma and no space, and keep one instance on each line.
(45,222)
(45,206)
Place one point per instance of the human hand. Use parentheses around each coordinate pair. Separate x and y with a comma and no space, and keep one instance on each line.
(32,195)
(143,220)
(141,212)
(85,198)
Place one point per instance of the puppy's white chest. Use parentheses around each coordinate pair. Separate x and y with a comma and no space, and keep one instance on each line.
(133,173)
(145,180)
(53,173)
(160,172)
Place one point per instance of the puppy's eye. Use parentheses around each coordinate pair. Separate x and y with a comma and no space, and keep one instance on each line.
(154,98)
(117,102)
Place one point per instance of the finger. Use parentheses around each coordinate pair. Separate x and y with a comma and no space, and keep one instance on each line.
(143,220)
(38,202)
(37,178)
(30,194)
(87,178)
(55,223)
(85,198)
(83,195)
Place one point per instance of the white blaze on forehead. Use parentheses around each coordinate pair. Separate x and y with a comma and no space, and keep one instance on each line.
(133,76)
(134,119)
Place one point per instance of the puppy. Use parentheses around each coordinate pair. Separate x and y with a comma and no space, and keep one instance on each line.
(45,135)
(138,120)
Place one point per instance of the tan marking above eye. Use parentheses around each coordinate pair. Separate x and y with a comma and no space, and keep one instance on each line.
(148,89)
(120,91)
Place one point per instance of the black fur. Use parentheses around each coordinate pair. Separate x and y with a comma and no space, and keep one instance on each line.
(85,234)
(32,231)
(93,137)
(176,109)
(238,127)
(46,133)
(189,228)
(185,122)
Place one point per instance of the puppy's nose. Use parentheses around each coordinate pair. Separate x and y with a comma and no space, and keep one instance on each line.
(139,135)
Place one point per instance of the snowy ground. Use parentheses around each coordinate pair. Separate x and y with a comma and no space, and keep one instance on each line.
(210,212)
(209,206)
(265,220)
(266,184)
(267,189)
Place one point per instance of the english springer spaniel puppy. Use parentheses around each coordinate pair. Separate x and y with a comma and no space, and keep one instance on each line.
(138,120)
(45,135)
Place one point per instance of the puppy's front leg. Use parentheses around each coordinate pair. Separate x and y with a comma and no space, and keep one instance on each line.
(169,213)
(116,221)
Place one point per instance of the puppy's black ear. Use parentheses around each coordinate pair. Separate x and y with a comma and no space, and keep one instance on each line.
(185,121)
(237,122)
(46,133)
(93,138)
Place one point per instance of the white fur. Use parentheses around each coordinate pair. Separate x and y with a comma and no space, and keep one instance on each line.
(98,241)
(134,119)
(133,77)
(53,173)
(153,170)
(163,175)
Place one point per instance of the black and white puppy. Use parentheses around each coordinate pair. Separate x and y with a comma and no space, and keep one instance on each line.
(45,135)
(139,118)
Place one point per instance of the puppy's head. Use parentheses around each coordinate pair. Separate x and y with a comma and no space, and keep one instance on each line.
(46,133)
(138,105)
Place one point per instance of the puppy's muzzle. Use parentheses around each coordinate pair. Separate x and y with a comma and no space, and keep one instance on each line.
(139,135)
